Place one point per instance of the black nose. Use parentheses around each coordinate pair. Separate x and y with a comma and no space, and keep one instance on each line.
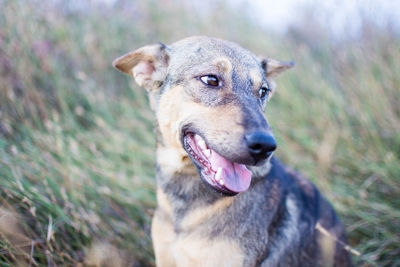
(260,145)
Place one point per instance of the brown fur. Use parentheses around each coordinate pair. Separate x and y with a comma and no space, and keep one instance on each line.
(273,222)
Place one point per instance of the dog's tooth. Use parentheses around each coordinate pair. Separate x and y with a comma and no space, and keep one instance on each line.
(200,141)
(202,144)
(207,152)
(197,137)
(218,174)
(221,182)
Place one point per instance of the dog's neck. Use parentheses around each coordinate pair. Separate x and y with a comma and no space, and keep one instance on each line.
(182,186)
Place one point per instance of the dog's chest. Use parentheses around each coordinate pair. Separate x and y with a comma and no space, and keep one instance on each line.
(192,249)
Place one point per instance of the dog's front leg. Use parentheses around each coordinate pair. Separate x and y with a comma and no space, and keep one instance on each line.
(163,237)
(197,251)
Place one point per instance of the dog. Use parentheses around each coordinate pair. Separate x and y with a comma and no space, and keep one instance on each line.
(223,199)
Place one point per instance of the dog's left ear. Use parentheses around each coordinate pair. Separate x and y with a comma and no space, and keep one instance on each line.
(147,65)
(273,67)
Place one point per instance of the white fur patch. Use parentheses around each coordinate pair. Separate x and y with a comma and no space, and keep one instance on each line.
(289,235)
(261,171)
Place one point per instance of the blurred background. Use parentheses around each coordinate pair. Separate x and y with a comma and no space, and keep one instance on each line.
(76,136)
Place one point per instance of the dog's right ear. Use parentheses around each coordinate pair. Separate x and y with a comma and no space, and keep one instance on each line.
(273,67)
(147,65)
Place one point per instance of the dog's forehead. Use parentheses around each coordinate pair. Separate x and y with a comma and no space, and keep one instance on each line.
(197,50)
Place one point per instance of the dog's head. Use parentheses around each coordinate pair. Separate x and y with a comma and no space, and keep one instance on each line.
(209,96)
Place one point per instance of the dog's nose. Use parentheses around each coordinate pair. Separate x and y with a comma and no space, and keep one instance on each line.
(260,145)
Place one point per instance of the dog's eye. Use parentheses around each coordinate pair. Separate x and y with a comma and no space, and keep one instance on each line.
(210,80)
(263,92)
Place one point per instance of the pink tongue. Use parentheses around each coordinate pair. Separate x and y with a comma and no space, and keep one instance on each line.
(236,177)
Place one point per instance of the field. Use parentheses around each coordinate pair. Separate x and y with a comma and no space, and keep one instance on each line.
(77,142)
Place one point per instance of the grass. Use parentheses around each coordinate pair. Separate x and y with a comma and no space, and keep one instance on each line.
(77,142)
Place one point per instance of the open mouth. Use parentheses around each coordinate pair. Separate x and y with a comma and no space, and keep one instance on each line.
(221,174)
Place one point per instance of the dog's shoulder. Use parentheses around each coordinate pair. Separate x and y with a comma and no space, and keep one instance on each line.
(298,187)
(309,200)
(322,233)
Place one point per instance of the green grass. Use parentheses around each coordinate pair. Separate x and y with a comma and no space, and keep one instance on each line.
(77,141)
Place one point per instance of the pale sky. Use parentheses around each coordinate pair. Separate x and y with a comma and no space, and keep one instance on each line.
(341,15)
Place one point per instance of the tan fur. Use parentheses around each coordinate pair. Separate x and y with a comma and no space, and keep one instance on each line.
(256,77)
(191,227)
(200,215)
(192,249)
(168,118)
(163,202)
(174,160)
(163,236)
(223,64)
(176,108)
(196,251)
